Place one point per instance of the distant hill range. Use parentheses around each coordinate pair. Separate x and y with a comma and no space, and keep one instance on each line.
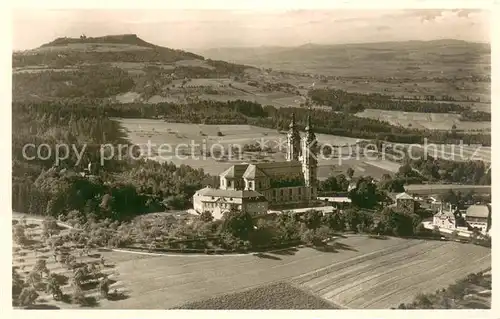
(358,58)
(126,68)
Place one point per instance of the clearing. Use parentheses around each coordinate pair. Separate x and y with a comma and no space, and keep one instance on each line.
(431,121)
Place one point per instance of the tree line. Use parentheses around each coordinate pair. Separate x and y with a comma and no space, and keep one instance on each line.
(351,102)
(245,112)
(118,189)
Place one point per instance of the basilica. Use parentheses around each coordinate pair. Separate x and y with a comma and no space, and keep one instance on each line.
(254,188)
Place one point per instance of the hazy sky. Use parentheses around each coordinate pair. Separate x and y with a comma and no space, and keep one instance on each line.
(206,29)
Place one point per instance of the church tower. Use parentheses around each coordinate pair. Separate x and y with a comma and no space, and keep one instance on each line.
(309,158)
(293,142)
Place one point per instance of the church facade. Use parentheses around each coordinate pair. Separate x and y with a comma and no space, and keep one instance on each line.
(255,187)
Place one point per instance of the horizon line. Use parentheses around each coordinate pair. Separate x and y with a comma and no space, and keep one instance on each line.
(264,45)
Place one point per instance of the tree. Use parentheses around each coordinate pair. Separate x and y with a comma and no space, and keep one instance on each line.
(78,297)
(53,287)
(312,219)
(206,216)
(79,275)
(423,302)
(435,232)
(365,194)
(450,197)
(330,184)
(350,172)
(104,287)
(365,222)
(315,237)
(309,237)
(405,170)
(27,297)
(50,227)
(19,234)
(396,223)
(342,182)
(41,267)
(353,219)
(335,221)
(238,223)
(34,279)
(17,285)
(476,233)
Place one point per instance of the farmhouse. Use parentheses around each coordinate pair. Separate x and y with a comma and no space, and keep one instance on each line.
(445,218)
(479,216)
(254,187)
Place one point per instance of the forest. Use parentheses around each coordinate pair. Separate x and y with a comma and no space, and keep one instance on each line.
(244,112)
(349,102)
(123,187)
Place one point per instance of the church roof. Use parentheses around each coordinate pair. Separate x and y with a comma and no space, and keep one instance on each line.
(280,168)
(235,171)
(270,169)
(253,171)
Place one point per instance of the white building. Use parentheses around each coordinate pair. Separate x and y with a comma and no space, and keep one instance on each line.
(218,201)
(445,218)
(479,216)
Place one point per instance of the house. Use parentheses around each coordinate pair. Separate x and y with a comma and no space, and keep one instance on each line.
(405,203)
(218,201)
(479,216)
(254,187)
(445,218)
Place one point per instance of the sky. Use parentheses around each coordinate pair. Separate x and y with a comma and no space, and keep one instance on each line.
(202,29)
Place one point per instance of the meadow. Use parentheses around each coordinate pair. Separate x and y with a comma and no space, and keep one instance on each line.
(217,137)
(436,189)
(354,272)
(430,121)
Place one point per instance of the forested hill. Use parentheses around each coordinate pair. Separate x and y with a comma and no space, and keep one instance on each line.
(122,47)
(64,52)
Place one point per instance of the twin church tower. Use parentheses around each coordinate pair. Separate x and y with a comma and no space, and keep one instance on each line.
(304,150)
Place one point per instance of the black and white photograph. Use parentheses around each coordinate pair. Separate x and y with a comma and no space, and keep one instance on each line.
(251,159)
